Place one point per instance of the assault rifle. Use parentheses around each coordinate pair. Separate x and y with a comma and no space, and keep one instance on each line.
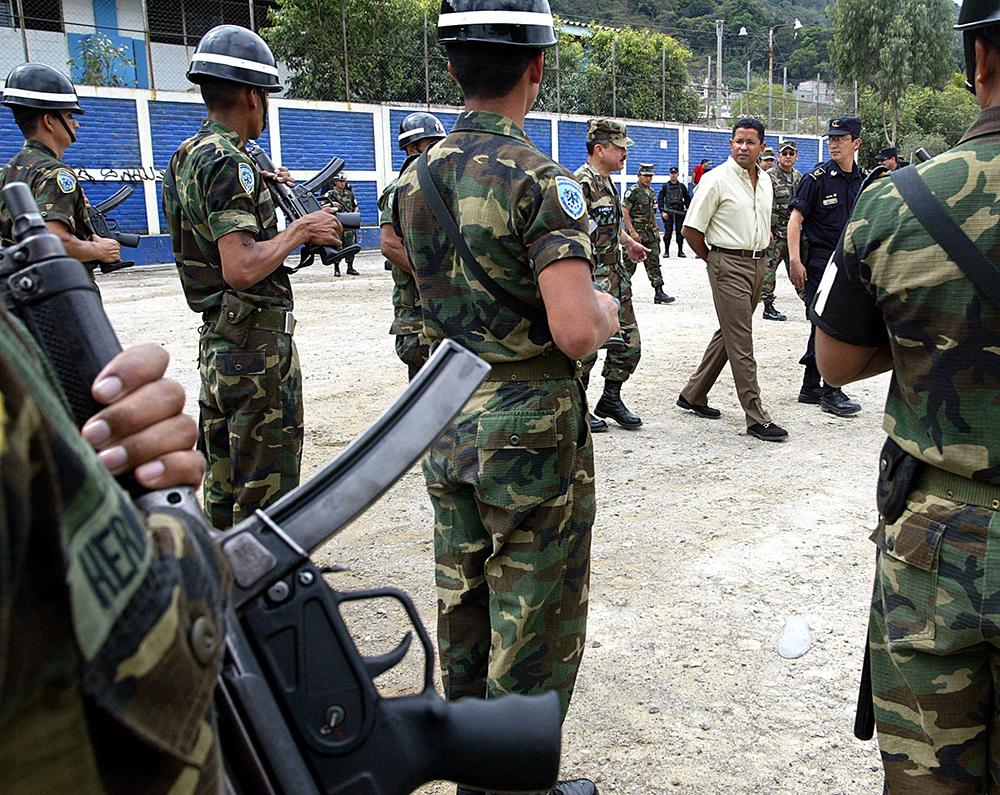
(107,227)
(296,201)
(297,708)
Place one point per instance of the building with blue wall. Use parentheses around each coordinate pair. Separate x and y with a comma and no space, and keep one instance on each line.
(128,135)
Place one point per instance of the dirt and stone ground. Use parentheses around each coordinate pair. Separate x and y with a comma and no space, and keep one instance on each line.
(706,540)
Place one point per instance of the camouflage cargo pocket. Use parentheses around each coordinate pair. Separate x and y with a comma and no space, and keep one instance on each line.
(908,577)
(518,459)
(246,380)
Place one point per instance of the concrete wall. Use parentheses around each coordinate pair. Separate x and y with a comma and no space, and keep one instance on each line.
(128,135)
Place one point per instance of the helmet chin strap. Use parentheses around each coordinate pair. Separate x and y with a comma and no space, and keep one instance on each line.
(69,132)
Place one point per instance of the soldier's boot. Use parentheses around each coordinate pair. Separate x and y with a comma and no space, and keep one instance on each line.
(660,297)
(350,267)
(578,786)
(611,405)
(770,313)
(336,269)
(680,251)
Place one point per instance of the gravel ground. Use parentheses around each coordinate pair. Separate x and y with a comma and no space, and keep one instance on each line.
(706,540)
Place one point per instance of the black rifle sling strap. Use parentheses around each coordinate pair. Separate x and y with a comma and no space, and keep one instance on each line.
(432,195)
(946,232)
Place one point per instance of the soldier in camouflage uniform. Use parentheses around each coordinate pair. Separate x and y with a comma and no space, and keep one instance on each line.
(639,208)
(893,298)
(44,102)
(607,148)
(767,158)
(105,683)
(417,132)
(785,179)
(341,198)
(512,479)
(229,257)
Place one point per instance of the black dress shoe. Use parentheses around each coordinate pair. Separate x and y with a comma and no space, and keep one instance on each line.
(768,432)
(834,401)
(682,255)
(811,394)
(701,411)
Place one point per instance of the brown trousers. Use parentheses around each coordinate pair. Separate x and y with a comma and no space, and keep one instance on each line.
(736,285)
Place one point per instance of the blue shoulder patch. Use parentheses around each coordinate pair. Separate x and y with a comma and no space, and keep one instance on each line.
(247,179)
(571,197)
(66,181)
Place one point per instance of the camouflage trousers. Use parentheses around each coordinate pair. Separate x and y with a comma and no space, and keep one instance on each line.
(412,352)
(652,262)
(777,253)
(935,648)
(512,485)
(619,364)
(251,423)
(348,238)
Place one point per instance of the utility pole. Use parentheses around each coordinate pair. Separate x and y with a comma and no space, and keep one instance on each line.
(719,25)
(784,99)
(770,75)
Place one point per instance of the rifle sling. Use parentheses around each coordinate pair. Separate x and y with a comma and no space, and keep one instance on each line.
(946,232)
(431,194)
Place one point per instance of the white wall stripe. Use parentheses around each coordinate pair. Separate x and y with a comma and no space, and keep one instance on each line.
(150,187)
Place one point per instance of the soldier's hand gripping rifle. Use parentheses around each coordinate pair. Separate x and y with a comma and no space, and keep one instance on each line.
(108,227)
(297,708)
(296,201)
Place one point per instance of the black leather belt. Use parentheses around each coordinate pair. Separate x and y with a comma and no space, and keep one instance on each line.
(746,253)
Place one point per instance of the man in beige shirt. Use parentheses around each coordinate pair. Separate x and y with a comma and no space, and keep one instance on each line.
(729,226)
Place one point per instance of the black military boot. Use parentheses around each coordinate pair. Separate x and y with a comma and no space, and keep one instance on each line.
(611,405)
(660,297)
(350,268)
(680,253)
(336,269)
(770,313)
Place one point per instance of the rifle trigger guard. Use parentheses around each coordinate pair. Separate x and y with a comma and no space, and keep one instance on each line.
(379,664)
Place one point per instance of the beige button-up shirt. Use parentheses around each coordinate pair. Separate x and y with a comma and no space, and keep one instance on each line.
(729,211)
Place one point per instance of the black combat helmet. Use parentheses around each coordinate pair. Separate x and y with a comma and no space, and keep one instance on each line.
(975,15)
(230,52)
(418,126)
(35,85)
(521,23)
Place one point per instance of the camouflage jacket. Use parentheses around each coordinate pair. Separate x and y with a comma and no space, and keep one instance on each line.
(217,189)
(54,185)
(519,210)
(405,298)
(606,221)
(892,284)
(641,205)
(343,197)
(110,623)
(785,186)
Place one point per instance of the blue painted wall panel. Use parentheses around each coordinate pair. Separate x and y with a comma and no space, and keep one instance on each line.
(808,155)
(309,138)
(108,136)
(540,133)
(572,144)
(174,122)
(656,145)
(367,195)
(713,144)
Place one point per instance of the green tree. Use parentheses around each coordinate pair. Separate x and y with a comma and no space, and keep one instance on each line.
(891,45)
(102,63)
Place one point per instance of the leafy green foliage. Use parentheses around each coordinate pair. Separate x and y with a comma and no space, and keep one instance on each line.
(101,62)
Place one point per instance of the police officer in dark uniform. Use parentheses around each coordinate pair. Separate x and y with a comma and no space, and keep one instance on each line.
(889,157)
(673,202)
(820,210)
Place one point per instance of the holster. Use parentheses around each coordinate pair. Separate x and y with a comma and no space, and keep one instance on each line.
(897,470)
(235,320)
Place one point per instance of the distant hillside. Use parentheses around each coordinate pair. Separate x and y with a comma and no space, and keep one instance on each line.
(693,23)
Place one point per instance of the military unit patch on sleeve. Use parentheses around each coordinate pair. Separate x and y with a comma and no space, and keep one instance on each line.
(571,197)
(247,177)
(66,181)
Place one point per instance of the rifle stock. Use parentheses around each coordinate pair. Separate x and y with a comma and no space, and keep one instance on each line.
(108,228)
(296,702)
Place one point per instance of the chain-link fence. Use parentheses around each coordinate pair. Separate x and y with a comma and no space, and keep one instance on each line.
(148,44)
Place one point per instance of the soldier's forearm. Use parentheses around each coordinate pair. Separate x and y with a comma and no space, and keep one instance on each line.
(82,250)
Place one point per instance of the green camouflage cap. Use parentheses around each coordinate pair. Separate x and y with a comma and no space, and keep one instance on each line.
(646,170)
(789,144)
(608,131)
(767,154)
